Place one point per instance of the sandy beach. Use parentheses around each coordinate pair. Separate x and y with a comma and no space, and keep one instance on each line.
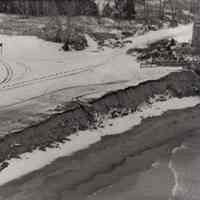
(121,163)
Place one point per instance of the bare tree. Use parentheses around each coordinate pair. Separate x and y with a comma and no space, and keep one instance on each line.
(162,9)
(125,9)
(173,12)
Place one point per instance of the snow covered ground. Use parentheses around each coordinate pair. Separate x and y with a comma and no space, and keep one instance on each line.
(40,67)
(30,162)
(39,77)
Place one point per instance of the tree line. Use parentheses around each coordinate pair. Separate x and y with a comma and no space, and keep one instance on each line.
(123,9)
(49,7)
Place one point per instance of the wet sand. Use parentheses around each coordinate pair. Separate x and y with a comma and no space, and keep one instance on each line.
(118,167)
(154,182)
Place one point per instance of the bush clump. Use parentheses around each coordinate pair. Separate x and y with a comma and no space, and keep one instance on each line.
(76,42)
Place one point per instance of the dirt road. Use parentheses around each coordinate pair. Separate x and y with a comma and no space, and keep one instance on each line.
(108,162)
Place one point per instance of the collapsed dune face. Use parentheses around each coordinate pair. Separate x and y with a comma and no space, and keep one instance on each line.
(83,115)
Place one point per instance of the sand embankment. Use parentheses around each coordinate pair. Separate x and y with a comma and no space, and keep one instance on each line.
(114,156)
(81,116)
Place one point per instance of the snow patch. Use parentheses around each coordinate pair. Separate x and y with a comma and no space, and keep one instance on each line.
(182,33)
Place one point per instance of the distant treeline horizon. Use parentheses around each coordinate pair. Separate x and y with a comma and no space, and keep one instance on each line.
(49,7)
(123,9)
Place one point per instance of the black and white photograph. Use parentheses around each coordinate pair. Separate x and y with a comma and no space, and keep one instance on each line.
(99,99)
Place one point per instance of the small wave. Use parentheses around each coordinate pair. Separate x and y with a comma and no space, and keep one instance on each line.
(156,164)
(177,189)
(175,150)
